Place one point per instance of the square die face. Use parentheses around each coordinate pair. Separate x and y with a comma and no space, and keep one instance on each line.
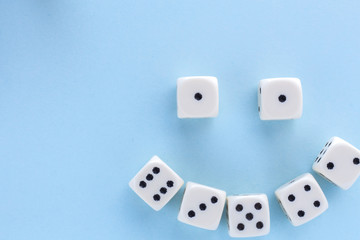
(280,98)
(248,215)
(156,183)
(197,97)
(302,199)
(339,163)
(202,206)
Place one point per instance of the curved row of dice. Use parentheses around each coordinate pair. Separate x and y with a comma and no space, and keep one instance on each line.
(248,215)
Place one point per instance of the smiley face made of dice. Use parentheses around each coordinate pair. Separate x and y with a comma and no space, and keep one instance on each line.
(301,199)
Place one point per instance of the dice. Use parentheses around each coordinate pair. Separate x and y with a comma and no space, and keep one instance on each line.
(280,98)
(202,206)
(248,215)
(156,183)
(197,97)
(338,162)
(302,199)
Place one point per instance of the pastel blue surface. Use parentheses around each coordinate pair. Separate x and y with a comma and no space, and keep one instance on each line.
(88,95)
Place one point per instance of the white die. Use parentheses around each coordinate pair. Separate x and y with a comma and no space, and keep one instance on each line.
(156,183)
(202,206)
(197,97)
(338,162)
(248,215)
(280,98)
(302,199)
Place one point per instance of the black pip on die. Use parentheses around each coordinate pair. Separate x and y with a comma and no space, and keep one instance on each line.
(280,98)
(338,162)
(202,206)
(156,183)
(248,215)
(197,97)
(302,199)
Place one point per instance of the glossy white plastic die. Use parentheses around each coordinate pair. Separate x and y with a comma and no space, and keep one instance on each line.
(248,215)
(280,98)
(338,162)
(197,97)
(156,183)
(202,206)
(302,199)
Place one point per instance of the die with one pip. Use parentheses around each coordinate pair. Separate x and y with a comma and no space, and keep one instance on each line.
(197,97)
(280,98)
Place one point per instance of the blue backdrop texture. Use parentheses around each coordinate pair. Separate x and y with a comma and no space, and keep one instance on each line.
(88,95)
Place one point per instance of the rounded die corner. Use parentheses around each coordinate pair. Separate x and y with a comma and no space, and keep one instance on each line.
(131,184)
(156,158)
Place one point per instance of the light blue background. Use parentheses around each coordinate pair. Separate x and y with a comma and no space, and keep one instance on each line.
(88,95)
